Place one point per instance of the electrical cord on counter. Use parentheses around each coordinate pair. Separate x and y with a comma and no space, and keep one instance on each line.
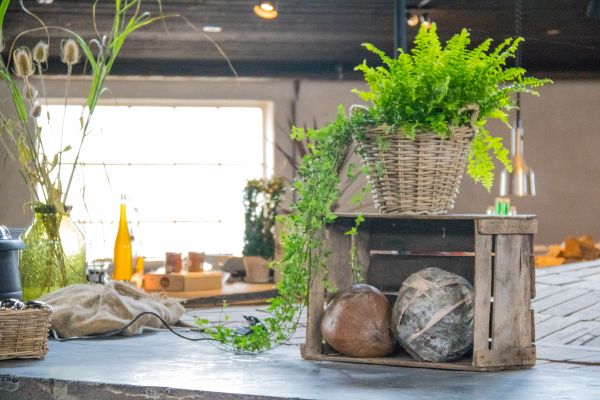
(117,332)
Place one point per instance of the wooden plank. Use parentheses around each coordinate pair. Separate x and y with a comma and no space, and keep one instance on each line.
(532,264)
(405,361)
(316,305)
(473,217)
(483,292)
(502,357)
(522,304)
(422,235)
(506,290)
(507,226)
(339,272)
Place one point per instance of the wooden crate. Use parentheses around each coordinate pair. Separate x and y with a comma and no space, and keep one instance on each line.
(494,253)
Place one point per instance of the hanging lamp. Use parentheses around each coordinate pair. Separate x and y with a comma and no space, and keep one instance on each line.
(266,9)
(521,181)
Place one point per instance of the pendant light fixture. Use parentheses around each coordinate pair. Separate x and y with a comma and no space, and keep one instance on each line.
(266,9)
(521,181)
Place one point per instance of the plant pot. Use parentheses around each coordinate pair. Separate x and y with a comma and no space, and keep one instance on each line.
(257,269)
(54,254)
(419,176)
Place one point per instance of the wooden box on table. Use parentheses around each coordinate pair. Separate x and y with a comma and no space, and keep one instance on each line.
(495,254)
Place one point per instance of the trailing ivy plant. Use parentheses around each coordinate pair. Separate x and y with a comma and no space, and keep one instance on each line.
(435,87)
(302,241)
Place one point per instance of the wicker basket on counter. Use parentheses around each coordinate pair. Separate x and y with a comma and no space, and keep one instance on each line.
(419,176)
(24,333)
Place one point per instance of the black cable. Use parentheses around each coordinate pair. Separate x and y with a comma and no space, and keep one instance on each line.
(109,334)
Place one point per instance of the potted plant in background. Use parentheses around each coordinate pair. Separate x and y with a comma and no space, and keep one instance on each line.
(261,198)
(54,256)
(426,119)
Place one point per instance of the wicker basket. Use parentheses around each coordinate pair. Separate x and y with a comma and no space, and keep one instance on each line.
(418,176)
(24,333)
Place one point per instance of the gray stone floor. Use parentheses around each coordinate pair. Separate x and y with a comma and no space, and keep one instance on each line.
(567,306)
(158,365)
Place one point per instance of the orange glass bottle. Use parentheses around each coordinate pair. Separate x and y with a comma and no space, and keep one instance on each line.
(122,259)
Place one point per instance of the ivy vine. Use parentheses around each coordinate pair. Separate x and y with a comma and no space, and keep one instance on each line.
(302,241)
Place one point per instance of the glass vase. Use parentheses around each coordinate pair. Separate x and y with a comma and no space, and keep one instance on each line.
(54,254)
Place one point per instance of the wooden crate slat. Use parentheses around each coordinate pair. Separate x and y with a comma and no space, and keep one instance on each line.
(483,291)
(507,263)
(507,226)
(421,235)
(517,357)
(532,267)
(339,272)
(522,302)
(316,304)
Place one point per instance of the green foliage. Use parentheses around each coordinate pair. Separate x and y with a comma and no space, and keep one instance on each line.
(302,243)
(261,198)
(436,87)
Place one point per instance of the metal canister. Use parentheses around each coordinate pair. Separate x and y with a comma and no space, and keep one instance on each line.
(10,282)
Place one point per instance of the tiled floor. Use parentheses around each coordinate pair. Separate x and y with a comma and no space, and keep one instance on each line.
(567,309)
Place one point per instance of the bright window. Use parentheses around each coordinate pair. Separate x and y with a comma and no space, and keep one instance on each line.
(183,170)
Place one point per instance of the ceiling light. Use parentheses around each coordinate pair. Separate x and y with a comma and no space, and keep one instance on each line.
(412,19)
(552,32)
(45,1)
(266,9)
(211,29)
(426,20)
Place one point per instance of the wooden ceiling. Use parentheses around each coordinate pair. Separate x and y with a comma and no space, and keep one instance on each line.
(319,39)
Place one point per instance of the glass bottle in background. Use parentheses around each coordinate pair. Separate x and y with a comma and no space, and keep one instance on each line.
(122,257)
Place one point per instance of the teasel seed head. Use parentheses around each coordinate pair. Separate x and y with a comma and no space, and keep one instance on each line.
(40,52)
(36,109)
(70,52)
(30,92)
(22,63)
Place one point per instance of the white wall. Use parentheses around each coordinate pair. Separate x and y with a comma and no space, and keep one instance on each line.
(562,130)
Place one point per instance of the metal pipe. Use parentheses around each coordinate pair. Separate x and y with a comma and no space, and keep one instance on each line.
(399,26)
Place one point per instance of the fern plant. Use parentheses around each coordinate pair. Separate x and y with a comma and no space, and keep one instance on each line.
(436,87)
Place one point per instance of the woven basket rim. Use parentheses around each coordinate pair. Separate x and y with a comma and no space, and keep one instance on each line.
(399,133)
